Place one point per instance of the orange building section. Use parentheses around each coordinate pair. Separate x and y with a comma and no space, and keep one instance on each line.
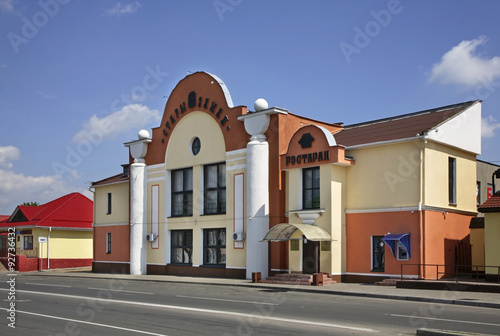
(442,231)
(361,227)
(120,243)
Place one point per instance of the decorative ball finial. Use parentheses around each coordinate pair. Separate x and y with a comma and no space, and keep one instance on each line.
(143,134)
(260,105)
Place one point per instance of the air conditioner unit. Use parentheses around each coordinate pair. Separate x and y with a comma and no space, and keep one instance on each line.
(151,237)
(238,236)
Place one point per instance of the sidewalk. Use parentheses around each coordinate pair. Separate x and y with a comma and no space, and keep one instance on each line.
(487,300)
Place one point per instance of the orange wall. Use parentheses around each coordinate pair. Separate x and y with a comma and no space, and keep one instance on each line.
(442,232)
(361,227)
(120,246)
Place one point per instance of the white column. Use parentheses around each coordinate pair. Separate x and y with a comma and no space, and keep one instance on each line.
(138,257)
(137,219)
(257,205)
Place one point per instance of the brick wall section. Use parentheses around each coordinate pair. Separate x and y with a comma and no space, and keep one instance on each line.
(24,264)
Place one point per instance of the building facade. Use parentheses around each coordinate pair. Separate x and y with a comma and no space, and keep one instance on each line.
(217,190)
(57,234)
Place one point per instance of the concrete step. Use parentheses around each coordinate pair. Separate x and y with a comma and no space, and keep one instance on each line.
(387,282)
(284,282)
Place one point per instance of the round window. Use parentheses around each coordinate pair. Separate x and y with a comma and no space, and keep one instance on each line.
(196,146)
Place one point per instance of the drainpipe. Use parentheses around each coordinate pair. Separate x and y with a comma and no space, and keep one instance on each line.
(48,248)
(421,201)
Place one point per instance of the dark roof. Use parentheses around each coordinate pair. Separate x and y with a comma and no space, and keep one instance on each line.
(398,127)
(110,180)
(72,211)
(491,205)
(476,223)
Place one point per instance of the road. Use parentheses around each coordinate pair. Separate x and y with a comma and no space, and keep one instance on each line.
(82,306)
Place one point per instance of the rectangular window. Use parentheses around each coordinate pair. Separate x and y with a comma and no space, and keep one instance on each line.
(215,189)
(108,242)
(402,252)
(378,254)
(182,192)
(478,192)
(182,246)
(214,247)
(108,211)
(452,180)
(310,188)
(28,242)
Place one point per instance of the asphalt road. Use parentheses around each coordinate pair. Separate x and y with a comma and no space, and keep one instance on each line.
(81,306)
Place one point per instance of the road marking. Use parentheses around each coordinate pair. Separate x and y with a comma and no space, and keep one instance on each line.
(446,320)
(40,284)
(227,300)
(121,291)
(87,322)
(203,310)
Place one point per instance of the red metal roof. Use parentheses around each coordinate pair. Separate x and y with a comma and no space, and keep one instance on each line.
(72,211)
(491,205)
(399,127)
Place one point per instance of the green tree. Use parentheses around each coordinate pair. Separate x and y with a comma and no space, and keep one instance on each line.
(31,203)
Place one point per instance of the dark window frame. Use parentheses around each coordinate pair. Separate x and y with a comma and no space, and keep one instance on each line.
(109,203)
(108,242)
(378,249)
(26,241)
(187,194)
(220,255)
(312,202)
(186,247)
(220,190)
(452,180)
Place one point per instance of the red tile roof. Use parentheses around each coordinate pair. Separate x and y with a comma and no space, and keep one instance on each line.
(72,211)
(491,205)
(399,127)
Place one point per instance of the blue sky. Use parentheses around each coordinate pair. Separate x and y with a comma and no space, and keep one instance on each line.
(69,67)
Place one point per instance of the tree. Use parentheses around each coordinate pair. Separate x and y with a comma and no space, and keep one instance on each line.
(31,203)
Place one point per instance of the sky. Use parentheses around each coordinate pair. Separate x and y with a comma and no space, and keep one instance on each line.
(80,78)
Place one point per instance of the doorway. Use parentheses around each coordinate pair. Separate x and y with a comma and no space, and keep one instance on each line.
(310,256)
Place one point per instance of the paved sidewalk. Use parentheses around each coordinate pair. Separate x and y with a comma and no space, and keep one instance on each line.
(488,300)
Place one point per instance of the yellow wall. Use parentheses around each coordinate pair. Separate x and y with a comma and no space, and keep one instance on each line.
(491,241)
(477,247)
(119,204)
(332,200)
(436,177)
(178,155)
(63,244)
(384,176)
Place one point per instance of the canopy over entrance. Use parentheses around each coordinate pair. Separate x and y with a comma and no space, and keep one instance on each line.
(284,231)
(392,239)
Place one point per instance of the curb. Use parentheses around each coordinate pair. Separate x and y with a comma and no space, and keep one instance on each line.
(304,290)
(438,332)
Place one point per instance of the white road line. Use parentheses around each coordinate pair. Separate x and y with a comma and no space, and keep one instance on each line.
(87,322)
(202,310)
(118,290)
(227,300)
(41,284)
(445,320)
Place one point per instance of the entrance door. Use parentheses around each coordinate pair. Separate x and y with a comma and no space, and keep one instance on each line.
(310,256)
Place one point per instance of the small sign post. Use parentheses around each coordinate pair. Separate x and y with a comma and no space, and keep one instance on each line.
(41,240)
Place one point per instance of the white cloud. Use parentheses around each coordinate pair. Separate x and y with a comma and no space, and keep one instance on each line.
(8,154)
(488,127)
(7,5)
(118,9)
(17,188)
(131,117)
(463,65)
